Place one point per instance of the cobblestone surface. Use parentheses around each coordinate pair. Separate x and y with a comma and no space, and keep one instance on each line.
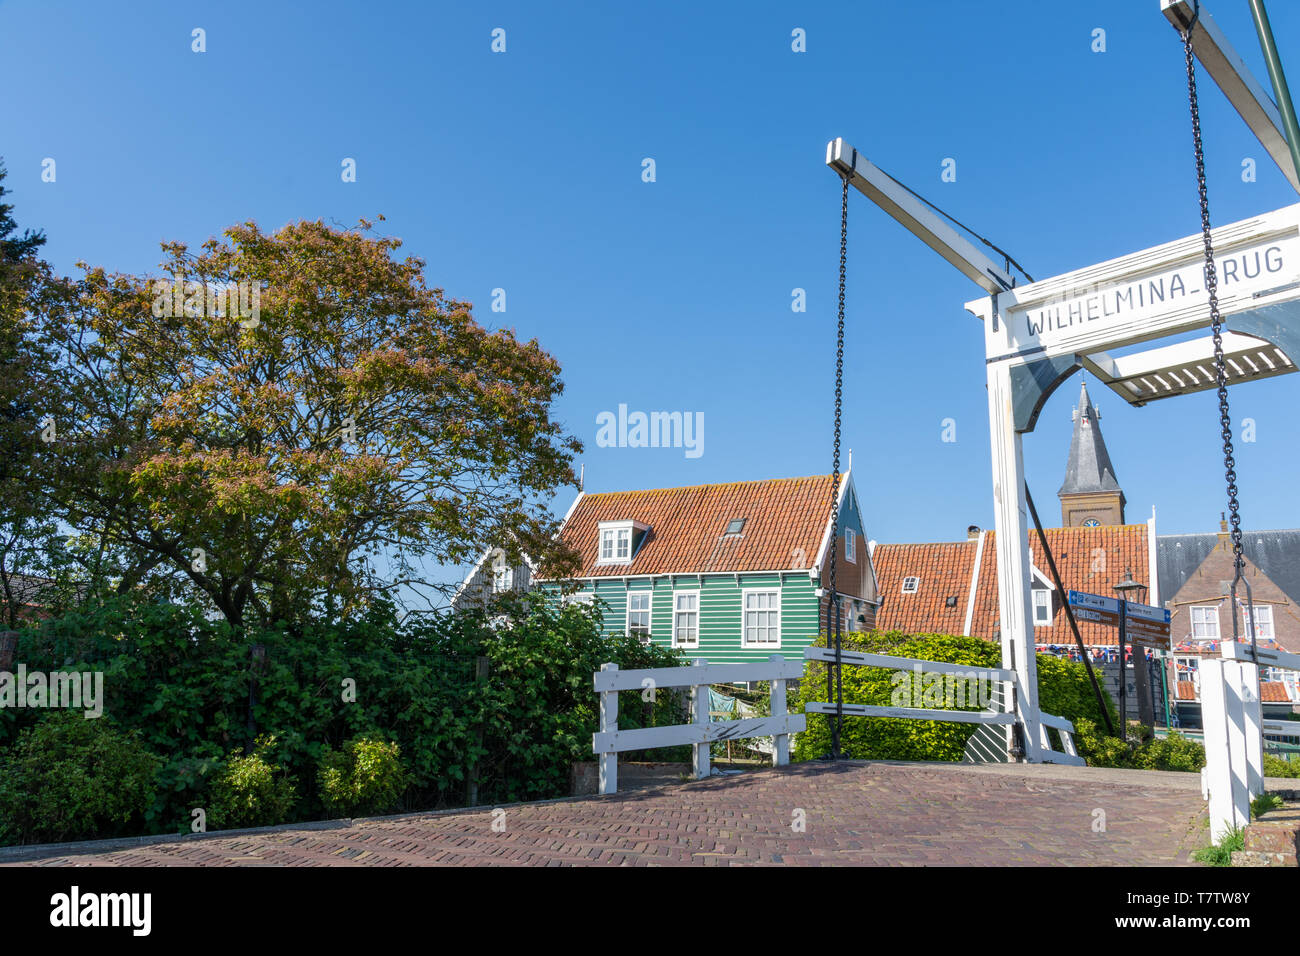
(859,814)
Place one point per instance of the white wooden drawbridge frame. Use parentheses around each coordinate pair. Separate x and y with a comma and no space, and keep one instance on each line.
(1039,334)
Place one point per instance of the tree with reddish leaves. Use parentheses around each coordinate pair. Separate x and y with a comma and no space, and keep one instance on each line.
(292,423)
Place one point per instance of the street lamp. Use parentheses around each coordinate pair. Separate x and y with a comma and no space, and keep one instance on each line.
(1128,589)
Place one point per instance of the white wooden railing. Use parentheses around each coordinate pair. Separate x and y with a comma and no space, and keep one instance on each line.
(1234,727)
(609,741)
(1043,752)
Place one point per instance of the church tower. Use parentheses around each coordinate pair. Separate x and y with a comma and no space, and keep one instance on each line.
(1090,495)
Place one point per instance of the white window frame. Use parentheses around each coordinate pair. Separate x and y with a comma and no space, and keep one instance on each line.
(850,545)
(1262,612)
(1045,620)
(618,536)
(916,584)
(503,578)
(1192,667)
(648,611)
(745,611)
(1214,613)
(678,595)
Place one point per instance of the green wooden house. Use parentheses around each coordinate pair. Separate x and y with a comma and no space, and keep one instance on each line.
(728,572)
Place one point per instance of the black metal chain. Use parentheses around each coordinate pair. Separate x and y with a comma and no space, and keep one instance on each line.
(833,616)
(1216,326)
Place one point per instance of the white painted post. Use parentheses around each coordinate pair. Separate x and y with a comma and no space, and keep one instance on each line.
(778,708)
(1235,712)
(1012,526)
(609,724)
(1229,800)
(1253,728)
(700,711)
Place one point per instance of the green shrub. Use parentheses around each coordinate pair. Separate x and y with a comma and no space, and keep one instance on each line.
(1098,748)
(250,791)
(70,778)
(182,683)
(1063,689)
(365,778)
(1174,752)
(1275,766)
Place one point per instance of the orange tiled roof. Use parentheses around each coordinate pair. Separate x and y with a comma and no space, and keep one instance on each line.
(1270,692)
(1273,692)
(1089,559)
(944,571)
(785,520)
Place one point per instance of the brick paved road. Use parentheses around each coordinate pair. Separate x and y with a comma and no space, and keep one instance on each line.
(862,813)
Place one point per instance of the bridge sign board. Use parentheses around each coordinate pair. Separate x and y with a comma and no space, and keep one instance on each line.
(1148,294)
(1144,624)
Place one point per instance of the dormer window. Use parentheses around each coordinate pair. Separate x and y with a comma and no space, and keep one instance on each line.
(619,541)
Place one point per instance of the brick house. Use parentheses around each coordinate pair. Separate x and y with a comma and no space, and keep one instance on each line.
(1198,571)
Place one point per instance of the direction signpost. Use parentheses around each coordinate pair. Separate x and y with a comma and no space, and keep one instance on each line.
(1142,625)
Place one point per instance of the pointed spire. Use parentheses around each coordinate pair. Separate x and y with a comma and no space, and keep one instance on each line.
(1089,468)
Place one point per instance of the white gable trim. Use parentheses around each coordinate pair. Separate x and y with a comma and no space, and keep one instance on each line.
(846,481)
(1152,564)
(974,584)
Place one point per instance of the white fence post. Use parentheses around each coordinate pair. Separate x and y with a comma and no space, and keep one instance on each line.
(701,732)
(700,710)
(609,724)
(778,708)
(1252,715)
(1224,770)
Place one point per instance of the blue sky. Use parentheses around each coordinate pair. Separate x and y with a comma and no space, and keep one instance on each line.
(522,170)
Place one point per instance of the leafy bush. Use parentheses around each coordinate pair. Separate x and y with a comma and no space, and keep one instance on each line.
(1064,690)
(1275,766)
(366,777)
(70,778)
(1098,748)
(182,682)
(1174,752)
(250,791)
(1063,687)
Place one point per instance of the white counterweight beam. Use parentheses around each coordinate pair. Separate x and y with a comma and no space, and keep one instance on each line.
(918,218)
(1226,67)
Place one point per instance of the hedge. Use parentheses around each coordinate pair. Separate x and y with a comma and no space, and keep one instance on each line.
(1063,690)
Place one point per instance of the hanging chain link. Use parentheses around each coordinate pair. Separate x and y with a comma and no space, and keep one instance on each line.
(1216,326)
(833,604)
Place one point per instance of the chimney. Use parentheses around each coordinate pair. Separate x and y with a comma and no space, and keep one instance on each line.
(972,532)
(1224,537)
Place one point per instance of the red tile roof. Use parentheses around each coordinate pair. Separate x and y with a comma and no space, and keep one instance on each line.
(1088,559)
(944,571)
(785,520)
(1270,692)
(1273,692)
